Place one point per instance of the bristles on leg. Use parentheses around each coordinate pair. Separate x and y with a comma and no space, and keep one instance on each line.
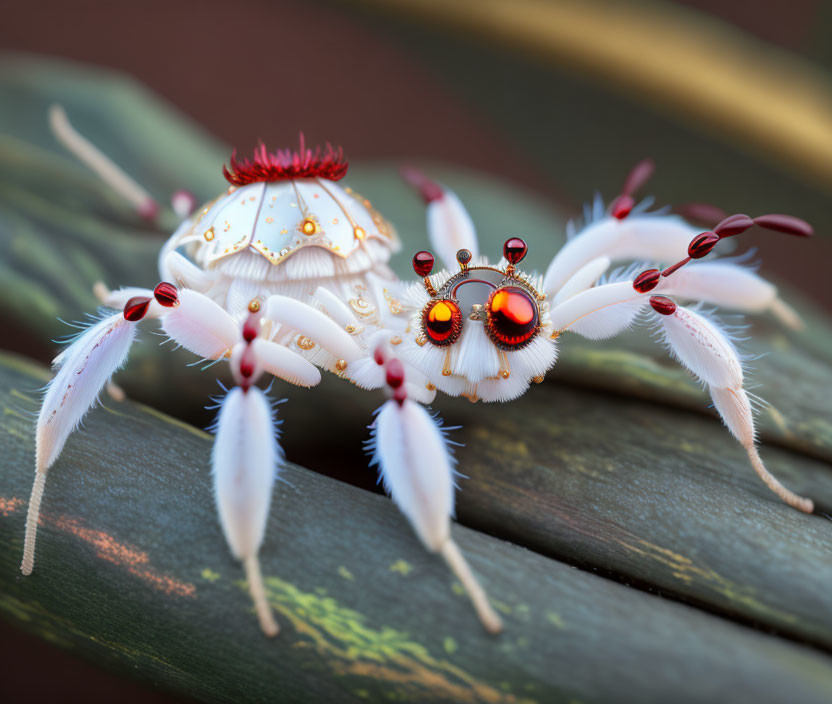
(417,470)
(245,460)
(85,367)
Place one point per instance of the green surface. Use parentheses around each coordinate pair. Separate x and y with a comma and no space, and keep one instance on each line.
(615,464)
(133,572)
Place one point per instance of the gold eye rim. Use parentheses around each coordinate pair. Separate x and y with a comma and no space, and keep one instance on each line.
(455,320)
(498,337)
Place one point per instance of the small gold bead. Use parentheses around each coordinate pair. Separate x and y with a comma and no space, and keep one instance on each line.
(308,227)
(254,305)
(350,328)
(209,234)
(505,373)
(359,233)
(446,372)
(538,379)
(430,387)
(341,365)
(395,340)
(421,340)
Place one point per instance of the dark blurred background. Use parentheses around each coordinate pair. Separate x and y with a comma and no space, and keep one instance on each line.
(733,100)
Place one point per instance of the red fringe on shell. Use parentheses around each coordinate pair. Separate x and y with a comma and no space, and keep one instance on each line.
(286,164)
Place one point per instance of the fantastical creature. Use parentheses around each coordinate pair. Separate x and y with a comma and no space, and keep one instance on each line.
(286,273)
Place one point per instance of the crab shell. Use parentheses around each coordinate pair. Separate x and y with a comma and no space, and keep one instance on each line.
(276,220)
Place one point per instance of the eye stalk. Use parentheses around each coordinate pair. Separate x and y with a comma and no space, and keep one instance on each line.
(442,322)
(463,258)
(423,265)
(514,250)
(512,317)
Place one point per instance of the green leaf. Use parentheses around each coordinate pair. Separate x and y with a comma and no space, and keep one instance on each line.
(133,572)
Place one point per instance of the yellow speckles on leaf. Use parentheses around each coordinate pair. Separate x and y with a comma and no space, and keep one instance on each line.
(352,648)
(778,419)
(174,421)
(450,645)
(403,567)
(209,575)
(556,620)
(345,573)
(684,569)
(458,589)
(686,446)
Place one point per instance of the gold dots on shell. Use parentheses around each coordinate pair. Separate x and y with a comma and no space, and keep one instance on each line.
(209,234)
(308,227)
(359,233)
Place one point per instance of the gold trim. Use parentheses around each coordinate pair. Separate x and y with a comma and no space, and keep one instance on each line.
(708,73)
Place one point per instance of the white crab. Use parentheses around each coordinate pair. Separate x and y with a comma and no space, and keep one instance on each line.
(286,273)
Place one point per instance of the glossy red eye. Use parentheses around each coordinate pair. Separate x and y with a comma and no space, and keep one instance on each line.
(442,321)
(512,317)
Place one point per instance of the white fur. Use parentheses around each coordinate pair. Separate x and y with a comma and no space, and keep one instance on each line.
(699,345)
(641,237)
(723,283)
(245,459)
(474,355)
(311,322)
(335,307)
(599,312)
(450,228)
(85,366)
(735,410)
(184,273)
(582,279)
(285,364)
(200,325)
(416,468)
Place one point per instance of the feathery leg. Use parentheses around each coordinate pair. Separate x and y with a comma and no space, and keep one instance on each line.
(701,347)
(417,471)
(84,368)
(450,227)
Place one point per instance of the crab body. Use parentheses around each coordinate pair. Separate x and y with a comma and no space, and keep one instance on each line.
(286,274)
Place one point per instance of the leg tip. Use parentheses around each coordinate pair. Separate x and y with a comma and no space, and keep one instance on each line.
(270,630)
(493,624)
(805,505)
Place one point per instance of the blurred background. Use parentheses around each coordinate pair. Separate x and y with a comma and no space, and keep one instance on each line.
(732,100)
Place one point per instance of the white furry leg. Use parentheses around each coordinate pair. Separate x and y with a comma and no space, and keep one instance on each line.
(83,369)
(417,471)
(292,314)
(707,352)
(450,227)
(245,460)
(731,286)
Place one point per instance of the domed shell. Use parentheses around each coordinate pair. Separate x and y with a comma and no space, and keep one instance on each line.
(280,218)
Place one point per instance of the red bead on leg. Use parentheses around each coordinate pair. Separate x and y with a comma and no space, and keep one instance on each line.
(136,308)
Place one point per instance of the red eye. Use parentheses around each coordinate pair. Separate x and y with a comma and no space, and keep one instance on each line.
(442,321)
(512,317)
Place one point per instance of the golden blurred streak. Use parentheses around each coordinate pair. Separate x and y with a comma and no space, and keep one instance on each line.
(711,75)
